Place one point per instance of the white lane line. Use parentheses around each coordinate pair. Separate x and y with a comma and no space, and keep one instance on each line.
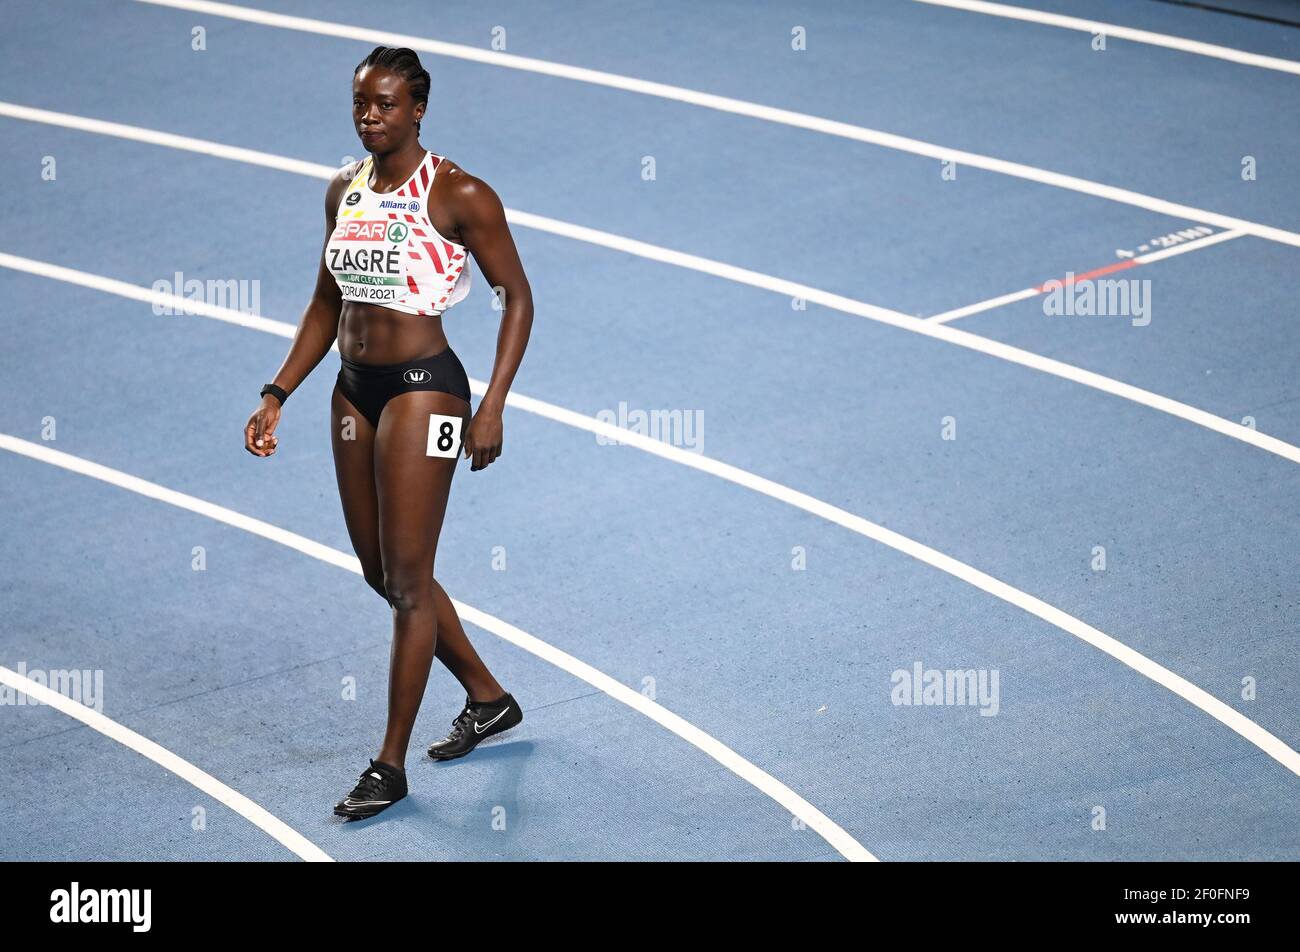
(1122,32)
(1196,245)
(135,292)
(983,306)
(928,328)
(167,139)
(1221,712)
(827,828)
(1014,296)
(289,838)
(718,269)
(737,106)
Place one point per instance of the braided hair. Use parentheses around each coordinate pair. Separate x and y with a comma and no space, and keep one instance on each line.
(405,63)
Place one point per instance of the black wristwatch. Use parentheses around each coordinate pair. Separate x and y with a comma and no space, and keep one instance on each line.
(277,392)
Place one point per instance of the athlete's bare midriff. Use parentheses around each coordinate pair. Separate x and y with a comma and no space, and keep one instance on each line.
(371,334)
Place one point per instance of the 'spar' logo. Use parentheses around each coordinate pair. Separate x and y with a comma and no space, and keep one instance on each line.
(353,230)
(103,905)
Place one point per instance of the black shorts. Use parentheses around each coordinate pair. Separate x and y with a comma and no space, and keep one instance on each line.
(371,386)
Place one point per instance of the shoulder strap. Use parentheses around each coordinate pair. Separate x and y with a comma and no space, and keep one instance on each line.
(363,173)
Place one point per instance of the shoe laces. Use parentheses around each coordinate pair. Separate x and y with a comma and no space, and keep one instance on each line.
(370,784)
(462,719)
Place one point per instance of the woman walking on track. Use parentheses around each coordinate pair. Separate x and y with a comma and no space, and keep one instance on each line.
(400,225)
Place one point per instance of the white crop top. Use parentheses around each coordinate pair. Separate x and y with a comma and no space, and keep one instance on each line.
(385,250)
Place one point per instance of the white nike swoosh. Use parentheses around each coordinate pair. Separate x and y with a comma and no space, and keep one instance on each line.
(349,802)
(479,730)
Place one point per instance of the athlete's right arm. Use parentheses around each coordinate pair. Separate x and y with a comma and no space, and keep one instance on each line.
(315,335)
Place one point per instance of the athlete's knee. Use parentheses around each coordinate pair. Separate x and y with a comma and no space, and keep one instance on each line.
(375,580)
(407,592)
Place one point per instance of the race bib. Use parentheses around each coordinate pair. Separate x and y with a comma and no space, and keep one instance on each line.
(367,259)
(444,436)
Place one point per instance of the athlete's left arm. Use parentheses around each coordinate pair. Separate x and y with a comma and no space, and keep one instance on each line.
(481,223)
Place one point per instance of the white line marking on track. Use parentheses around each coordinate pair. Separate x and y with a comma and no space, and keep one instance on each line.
(1221,712)
(1122,33)
(1014,296)
(135,292)
(1196,245)
(737,106)
(928,328)
(289,838)
(828,829)
(983,306)
(167,139)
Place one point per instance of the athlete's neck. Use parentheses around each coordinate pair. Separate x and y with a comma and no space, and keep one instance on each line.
(391,169)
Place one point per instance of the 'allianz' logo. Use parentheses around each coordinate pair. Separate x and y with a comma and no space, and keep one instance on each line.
(417,376)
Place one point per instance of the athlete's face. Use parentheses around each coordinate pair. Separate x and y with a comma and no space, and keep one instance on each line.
(382,109)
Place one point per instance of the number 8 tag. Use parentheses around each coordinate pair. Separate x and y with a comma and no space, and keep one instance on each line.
(444,436)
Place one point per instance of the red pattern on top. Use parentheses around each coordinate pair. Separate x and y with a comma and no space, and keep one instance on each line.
(412,188)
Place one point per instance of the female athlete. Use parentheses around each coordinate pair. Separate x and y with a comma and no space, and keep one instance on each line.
(399,226)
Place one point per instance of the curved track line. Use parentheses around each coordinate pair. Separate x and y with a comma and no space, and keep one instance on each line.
(825,827)
(1148,37)
(287,837)
(642,249)
(1226,715)
(738,106)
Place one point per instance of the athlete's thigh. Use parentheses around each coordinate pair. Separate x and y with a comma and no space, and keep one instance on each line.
(353,439)
(412,481)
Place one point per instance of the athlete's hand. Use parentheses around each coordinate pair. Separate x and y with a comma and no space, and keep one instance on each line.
(259,435)
(483,437)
